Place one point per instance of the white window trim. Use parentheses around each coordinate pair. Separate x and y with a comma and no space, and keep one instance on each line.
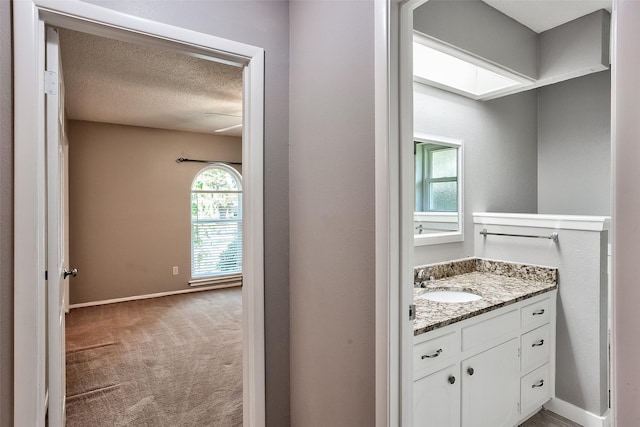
(226,279)
(435,216)
(219,277)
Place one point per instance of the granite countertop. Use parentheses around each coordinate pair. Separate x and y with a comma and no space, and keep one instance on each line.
(498,283)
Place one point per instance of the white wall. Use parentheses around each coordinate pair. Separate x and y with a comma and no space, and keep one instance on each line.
(264,24)
(6,218)
(332,262)
(626,208)
(574,146)
(500,156)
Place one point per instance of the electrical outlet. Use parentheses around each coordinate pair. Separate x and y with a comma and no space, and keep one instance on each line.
(175,271)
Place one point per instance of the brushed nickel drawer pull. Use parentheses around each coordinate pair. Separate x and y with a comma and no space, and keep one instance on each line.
(432,355)
(538,384)
(538,312)
(538,344)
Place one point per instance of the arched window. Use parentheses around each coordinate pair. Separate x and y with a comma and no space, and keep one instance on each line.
(216,222)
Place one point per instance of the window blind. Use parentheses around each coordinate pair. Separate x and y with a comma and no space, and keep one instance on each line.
(216,248)
(216,223)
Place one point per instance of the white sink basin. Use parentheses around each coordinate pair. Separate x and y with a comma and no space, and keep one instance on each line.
(450,296)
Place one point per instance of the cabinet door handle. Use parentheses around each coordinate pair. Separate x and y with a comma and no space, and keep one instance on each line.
(470,371)
(538,344)
(432,355)
(538,384)
(538,312)
(452,379)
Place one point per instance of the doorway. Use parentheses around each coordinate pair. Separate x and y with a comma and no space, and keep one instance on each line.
(30,18)
(136,219)
(422,101)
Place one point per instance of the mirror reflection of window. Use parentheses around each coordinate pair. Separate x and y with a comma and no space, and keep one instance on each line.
(438,187)
(436,178)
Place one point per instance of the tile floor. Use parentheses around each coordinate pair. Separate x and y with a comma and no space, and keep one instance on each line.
(546,418)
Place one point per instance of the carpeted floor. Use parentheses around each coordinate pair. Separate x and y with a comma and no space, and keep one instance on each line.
(170,361)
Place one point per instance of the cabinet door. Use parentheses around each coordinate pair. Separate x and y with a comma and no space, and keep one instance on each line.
(436,399)
(491,387)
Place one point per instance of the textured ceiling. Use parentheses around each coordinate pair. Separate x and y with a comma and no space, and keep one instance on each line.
(117,82)
(542,15)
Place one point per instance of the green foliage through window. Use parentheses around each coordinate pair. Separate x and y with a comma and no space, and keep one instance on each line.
(216,222)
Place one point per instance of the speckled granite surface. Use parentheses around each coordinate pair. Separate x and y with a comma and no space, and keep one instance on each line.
(468,265)
(499,283)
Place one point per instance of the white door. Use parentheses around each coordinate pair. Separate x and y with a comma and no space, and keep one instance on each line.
(56,235)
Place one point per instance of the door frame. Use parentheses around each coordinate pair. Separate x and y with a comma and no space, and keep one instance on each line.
(386,218)
(29,20)
(394,223)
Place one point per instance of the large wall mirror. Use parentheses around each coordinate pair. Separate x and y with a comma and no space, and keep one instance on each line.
(438,182)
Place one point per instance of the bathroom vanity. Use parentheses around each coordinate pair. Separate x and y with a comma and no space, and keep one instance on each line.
(487,362)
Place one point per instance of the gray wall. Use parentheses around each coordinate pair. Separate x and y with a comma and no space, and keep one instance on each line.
(574,146)
(332,214)
(6,218)
(500,156)
(541,151)
(574,49)
(581,328)
(476,27)
(128,193)
(587,41)
(264,24)
(626,241)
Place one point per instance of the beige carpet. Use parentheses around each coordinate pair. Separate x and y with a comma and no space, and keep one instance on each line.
(170,361)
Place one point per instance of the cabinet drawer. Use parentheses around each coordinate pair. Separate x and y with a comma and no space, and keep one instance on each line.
(486,331)
(432,352)
(535,389)
(535,348)
(536,314)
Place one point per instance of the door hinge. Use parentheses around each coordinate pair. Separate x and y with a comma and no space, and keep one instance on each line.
(50,83)
(518,405)
(412,312)
(518,352)
(46,275)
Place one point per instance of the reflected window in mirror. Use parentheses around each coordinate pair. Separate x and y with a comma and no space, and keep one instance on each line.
(438,190)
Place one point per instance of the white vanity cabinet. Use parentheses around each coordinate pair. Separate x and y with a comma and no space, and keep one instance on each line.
(436,398)
(492,370)
(491,386)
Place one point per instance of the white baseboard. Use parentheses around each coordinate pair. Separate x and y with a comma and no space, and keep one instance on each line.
(156,295)
(578,415)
